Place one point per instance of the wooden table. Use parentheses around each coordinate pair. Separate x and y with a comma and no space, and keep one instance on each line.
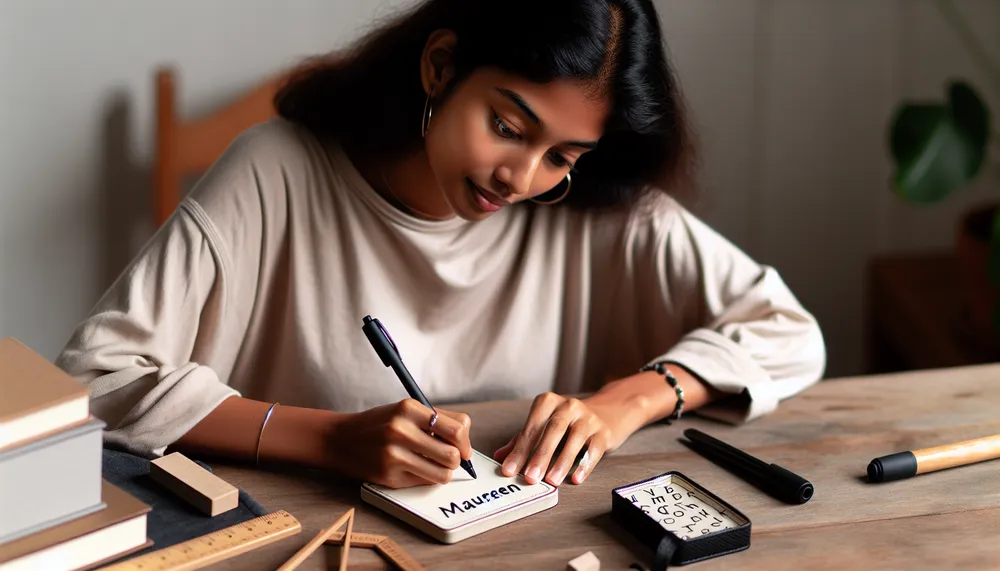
(948,519)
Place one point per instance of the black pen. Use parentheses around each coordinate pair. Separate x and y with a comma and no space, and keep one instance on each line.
(771,478)
(389,353)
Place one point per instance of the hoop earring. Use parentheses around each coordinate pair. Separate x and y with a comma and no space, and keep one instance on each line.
(426,118)
(569,183)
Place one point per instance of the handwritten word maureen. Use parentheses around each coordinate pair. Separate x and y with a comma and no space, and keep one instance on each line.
(485,498)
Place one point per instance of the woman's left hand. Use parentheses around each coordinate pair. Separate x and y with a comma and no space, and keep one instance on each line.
(551,418)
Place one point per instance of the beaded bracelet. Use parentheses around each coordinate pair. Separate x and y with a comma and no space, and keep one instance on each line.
(672,381)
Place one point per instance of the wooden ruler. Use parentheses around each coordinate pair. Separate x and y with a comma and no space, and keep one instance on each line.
(216,546)
(384,546)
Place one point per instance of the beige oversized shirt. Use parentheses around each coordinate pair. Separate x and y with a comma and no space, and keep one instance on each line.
(258,285)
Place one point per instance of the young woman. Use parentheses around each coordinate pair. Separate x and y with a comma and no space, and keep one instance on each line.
(491,180)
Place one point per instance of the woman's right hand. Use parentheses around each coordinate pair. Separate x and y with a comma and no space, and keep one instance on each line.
(391,445)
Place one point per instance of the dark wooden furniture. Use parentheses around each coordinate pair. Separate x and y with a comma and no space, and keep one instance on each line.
(915,317)
(186,147)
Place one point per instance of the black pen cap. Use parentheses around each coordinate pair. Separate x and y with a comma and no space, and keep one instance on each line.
(788,486)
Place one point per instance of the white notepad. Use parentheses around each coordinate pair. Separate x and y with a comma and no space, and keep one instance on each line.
(465,506)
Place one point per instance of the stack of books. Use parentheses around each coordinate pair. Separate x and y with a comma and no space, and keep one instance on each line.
(56,509)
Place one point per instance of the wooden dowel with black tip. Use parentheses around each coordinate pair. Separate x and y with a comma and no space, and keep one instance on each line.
(912,463)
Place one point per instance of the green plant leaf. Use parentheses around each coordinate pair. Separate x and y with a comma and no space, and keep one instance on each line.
(929,153)
(972,119)
(938,148)
(911,127)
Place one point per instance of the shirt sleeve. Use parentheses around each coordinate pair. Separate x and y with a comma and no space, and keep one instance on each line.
(744,332)
(157,350)
(136,351)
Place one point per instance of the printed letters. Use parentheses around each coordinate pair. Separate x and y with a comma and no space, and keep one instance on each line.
(687,515)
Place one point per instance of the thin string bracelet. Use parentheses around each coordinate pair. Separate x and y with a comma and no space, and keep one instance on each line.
(260,436)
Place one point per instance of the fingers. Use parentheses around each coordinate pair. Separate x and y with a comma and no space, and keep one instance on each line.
(552,434)
(450,443)
(410,429)
(538,417)
(398,477)
(571,420)
(405,433)
(450,427)
(409,480)
(579,433)
(595,451)
(455,427)
(502,452)
(403,465)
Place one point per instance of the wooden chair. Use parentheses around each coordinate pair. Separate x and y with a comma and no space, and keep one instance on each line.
(189,147)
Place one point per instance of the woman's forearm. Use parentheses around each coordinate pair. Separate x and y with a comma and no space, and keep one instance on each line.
(647,397)
(293,435)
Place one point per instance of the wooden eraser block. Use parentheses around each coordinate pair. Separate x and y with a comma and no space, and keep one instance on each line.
(194,484)
(586,562)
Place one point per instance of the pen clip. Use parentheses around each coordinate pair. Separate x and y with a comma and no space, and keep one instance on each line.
(387,336)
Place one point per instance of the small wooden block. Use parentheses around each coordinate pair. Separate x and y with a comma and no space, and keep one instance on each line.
(194,484)
(586,562)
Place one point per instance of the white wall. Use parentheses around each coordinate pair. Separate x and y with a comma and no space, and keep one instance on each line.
(76,118)
(792,98)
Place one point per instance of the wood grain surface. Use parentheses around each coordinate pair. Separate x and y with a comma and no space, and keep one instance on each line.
(827,434)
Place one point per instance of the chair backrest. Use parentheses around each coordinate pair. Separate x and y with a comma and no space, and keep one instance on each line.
(189,147)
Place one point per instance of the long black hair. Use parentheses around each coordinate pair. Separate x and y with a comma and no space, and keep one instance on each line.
(371,96)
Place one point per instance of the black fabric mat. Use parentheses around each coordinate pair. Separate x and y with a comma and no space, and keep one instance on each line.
(171,520)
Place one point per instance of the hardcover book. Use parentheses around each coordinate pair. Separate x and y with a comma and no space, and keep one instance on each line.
(51,480)
(36,397)
(85,542)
